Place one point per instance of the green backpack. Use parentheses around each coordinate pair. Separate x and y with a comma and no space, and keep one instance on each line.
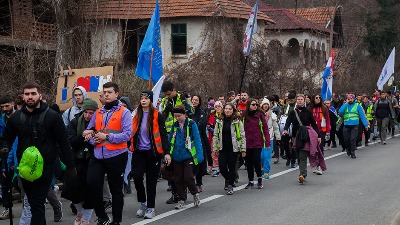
(31,166)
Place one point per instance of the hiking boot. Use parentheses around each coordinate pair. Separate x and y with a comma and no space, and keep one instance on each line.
(103,221)
(180,205)
(173,199)
(301,179)
(58,214)
(142,210)
(260,183)
(196,200)
(107,205)
(150,213)
(250,185)
(229,190)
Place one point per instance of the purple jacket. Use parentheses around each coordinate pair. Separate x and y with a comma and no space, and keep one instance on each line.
(315,154)
(254,138)
(124,136)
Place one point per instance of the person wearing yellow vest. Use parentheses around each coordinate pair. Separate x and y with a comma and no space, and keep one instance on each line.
(352,112)
(229,141)
(109,130)
(368,109)
(149,144)
(172,99)
(186,153)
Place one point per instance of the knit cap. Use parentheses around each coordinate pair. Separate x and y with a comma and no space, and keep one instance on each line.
(148,94)
(89,104)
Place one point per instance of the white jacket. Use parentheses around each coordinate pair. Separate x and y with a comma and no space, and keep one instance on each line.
(273,126)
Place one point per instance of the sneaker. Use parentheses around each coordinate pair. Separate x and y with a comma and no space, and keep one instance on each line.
(384,142)
(150,213)
(287,162)
(84,222)
(276,161)
(142,210)
(5,215)
(315,169)
(103,221)
(301,179)
(353,156)
(250,185)
(196,200)
(78,219)
(58,214)
(56,188)
(319,171)
(260,183)
(293,165)
(169,188)
(366,143)
(215,173)
(199,188)
(180,205)
(107,205)
(229,190)
(73,209)
(173,199)
(266,176)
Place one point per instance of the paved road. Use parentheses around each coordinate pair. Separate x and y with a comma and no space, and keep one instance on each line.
(361,191)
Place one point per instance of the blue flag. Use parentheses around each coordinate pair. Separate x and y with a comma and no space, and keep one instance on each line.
(327,78)
(151,45)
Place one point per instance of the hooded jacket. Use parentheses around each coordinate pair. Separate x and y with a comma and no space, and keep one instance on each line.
(254,138)
(70,113)
(126,100)
(52,138)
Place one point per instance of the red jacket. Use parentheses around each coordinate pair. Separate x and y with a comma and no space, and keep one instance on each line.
(254,138)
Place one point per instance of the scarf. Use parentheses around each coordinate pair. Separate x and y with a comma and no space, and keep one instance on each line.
(109,106)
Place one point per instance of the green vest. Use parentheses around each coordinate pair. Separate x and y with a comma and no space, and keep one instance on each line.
(238,135)
(169,120)
(369,112)
(352,115)
(192,150)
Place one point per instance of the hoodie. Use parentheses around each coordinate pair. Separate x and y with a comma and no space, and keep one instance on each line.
(70,113)
(126,100)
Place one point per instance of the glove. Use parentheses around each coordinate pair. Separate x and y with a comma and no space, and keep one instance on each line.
(4,153)
(70,173)
(327,137)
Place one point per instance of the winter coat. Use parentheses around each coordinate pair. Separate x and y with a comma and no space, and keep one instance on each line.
(254,138)
(273,126)
(217,138)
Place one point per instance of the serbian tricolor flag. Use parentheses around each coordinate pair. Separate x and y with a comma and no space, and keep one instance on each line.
(327,78)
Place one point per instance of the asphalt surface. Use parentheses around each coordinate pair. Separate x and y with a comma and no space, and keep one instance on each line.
(361,191)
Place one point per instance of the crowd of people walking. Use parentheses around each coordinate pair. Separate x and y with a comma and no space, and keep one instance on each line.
(95,150)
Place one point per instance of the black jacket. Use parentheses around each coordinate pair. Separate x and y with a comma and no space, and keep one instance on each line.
(163,134)
(200,117)
(52,140)
(306,119)
(77,140)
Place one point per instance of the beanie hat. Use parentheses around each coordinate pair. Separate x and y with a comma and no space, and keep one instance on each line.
(89,104)
(148,94)
(219,103)
(265,101)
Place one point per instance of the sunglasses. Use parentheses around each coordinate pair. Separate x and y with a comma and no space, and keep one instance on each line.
(255,104)
(317,97)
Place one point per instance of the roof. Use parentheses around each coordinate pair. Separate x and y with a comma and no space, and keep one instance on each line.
(286,20)
(261,4)
(143,9)
(320,15)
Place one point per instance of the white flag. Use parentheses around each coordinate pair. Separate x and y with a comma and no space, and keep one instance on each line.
(252,22)
(157,90)
(387,71)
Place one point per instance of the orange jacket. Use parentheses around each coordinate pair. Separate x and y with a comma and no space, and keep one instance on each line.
(113,127)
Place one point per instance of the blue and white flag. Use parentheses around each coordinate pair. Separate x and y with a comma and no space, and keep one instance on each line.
(248,34)
(387,71)
(327,77)
(157,90)
(151,46)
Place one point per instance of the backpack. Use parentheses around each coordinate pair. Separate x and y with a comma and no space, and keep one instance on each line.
(31,166)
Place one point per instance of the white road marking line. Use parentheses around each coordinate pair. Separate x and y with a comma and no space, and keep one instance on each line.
(172,212)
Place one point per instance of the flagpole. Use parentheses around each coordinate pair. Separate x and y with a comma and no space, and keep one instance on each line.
(151,69)
(242,78)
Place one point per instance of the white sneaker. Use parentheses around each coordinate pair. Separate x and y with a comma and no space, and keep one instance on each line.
(150,213)
(315,169)
(142,210)
(319,171)
(180,205)
(196,200)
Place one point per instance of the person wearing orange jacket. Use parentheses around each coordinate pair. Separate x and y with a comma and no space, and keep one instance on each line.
(148,144)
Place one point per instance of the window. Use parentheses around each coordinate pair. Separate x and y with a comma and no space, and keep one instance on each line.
(178,39)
